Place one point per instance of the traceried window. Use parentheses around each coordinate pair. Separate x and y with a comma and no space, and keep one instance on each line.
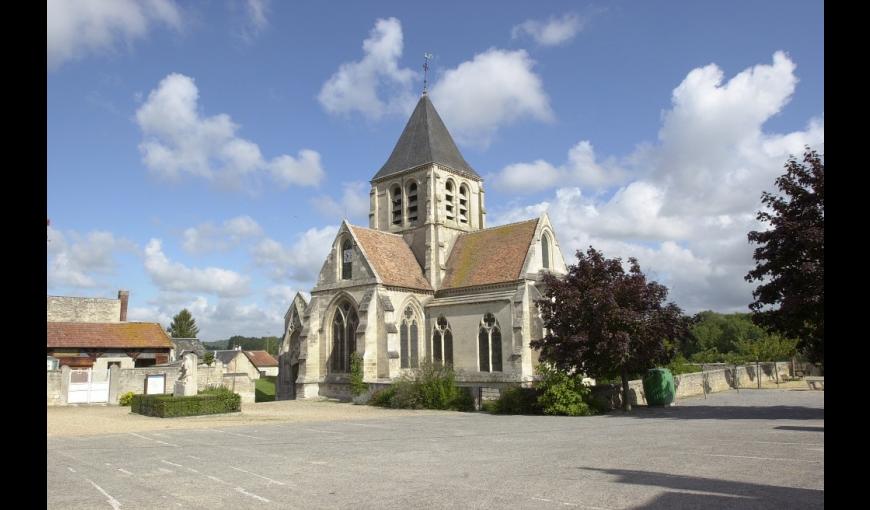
(412,203)
(409,355)
(346,260)
(396,194)
(450,201)
(545,251)
(489,344)
(344,324)
(442,343)
(463,204)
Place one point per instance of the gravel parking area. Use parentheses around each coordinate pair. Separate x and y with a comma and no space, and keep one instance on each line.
(749,450)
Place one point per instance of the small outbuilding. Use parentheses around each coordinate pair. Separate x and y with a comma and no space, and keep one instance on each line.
(265,363)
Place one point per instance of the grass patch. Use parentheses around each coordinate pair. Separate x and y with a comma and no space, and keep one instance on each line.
(265,389)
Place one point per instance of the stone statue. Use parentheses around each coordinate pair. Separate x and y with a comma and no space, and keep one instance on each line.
(186,384)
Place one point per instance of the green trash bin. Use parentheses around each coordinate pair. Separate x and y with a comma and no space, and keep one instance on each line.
(658,386)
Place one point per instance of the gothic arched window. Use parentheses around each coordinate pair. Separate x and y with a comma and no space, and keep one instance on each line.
(449,206)
(442,343)
(396,193)
(344,324)
(463,204)
(410,353)
(489,344)
(545,251)
(412,203)
(346,260)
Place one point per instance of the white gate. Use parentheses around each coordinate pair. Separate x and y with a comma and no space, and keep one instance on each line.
(88,386)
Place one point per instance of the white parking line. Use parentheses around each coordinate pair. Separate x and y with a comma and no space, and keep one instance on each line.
(237,434)
(255,474)
(325,431)
(216,479)
(71,469)
(124,471)
(170,463)
(748,457)
(151,439)
(570,504)
(112,501)
(246,493)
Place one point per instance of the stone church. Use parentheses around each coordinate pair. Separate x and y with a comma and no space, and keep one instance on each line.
(425,281)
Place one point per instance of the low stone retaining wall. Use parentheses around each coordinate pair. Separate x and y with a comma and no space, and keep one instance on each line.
(699,383)
(133,379)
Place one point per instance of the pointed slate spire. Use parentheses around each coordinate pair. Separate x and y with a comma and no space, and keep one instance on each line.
(425,140)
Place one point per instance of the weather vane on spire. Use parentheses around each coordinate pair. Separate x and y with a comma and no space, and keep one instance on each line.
(427,57)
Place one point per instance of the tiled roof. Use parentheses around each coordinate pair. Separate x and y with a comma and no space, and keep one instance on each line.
(261,359)
(107,334)
(226,357)
(425,139)
(391,258)
(492,255)
(183,345)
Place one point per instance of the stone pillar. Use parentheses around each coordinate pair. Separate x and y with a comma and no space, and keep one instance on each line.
(64,384)
(114,383)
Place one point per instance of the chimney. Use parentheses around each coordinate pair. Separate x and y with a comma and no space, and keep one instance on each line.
(124,296)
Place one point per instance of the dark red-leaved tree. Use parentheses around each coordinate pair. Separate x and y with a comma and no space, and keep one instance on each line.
(790,260)
(603,321)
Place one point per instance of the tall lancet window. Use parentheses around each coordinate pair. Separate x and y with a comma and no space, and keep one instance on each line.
(463,204)
(344,324)
(489,344)
(346,260)
(409,355)
(442,343)
(412,203)
(449,198)
(397,205)
(545,251)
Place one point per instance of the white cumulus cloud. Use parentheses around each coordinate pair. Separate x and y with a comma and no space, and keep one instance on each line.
(207,237)
(581,168)
(177,140)
(76,28)
(695,193)
(552,32)
(375,85)
(354,203)
(175,276)
(299,263)
(78,261)
(494,89)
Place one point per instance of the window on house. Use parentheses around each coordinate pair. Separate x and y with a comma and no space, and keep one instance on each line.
(463,204)
(545,251)
(449,205)
(489,344)
(412,203)
(397,205)
(442,343)
(346,260)
(410,347)
(344,324)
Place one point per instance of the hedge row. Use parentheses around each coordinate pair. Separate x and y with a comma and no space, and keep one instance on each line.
(169,406)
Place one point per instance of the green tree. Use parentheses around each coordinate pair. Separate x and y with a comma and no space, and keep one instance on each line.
(183,325)
(604,322)
(208,358)
(790,258)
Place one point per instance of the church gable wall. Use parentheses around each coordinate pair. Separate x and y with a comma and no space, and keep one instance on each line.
(331,274)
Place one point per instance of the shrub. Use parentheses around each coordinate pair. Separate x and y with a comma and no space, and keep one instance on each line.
(428,387)
(357,386)
(212,401)
(518,401)
(680,365)
(126,399)
(563,394)
(382,397)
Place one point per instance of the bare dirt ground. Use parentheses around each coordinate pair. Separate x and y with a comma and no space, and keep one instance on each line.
(86,420)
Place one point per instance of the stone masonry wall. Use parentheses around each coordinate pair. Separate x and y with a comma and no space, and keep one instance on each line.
(77,309)
(133,379)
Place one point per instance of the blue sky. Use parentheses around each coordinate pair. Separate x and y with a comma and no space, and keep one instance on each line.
(202,154)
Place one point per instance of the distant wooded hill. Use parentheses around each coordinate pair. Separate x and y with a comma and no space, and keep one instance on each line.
(264,343)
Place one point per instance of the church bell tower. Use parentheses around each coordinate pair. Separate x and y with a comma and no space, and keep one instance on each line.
(427,192)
